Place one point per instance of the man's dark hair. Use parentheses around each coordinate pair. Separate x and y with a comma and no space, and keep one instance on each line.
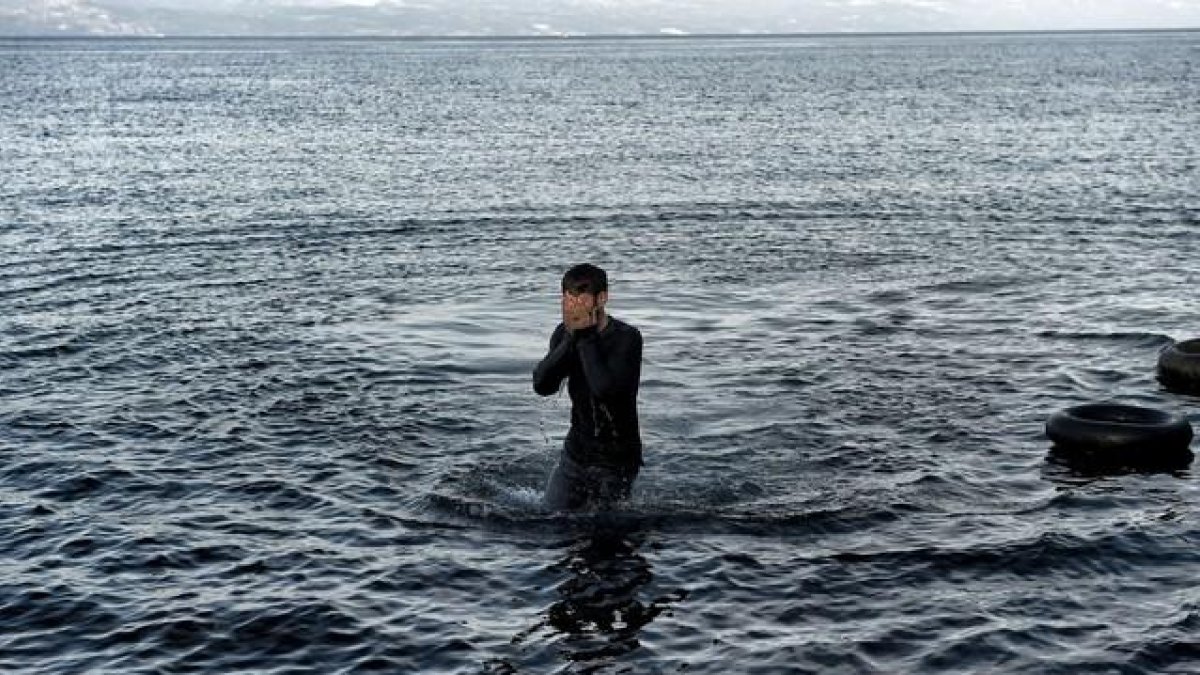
(585,278)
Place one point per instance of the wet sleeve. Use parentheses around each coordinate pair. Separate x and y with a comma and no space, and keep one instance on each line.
(612,369)
(554,367)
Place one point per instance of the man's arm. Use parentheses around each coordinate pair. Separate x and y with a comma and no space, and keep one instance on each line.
(614,371)
(549,373)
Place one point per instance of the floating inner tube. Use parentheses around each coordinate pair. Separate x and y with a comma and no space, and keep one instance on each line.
(1120,433)
(1179,366)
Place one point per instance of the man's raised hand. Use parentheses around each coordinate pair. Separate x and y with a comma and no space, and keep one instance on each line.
(579,311)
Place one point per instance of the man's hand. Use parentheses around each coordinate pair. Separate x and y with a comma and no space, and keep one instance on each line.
(579,311)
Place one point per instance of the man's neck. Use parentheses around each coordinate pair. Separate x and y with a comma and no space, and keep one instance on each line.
(603,323)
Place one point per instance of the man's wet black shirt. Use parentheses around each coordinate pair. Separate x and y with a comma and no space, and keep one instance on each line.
(602,368)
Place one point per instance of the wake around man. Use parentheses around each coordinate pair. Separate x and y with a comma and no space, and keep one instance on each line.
(601,359)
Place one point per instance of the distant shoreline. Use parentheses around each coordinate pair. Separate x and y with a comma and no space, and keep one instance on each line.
(605,36)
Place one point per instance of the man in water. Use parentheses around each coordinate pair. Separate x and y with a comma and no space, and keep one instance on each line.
(601,359)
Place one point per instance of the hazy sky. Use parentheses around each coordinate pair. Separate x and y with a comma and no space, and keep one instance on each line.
(527,17)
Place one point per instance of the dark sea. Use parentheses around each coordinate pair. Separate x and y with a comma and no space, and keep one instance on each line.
(269,309)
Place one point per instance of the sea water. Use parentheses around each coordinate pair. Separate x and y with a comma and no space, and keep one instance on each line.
(269,309)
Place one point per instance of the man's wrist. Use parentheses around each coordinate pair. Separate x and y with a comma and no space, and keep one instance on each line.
(585,333)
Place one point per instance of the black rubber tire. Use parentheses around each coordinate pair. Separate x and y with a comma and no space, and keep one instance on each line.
(1120,433)
(1179,366)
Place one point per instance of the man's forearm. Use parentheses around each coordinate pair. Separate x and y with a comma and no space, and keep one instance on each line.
(551,370)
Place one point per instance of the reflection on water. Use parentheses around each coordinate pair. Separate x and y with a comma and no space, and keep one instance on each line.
(1067,466)
(603,603)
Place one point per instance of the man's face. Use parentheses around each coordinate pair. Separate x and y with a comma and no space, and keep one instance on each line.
(581,304)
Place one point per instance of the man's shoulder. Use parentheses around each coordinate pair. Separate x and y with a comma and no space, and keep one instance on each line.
(559,332)
(623,328)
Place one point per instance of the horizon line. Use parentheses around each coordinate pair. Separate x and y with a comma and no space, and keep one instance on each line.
(589,36)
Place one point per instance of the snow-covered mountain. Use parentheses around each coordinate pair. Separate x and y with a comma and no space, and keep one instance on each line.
(551,17)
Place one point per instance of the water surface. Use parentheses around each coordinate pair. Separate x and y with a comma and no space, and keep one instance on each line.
(270,310)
